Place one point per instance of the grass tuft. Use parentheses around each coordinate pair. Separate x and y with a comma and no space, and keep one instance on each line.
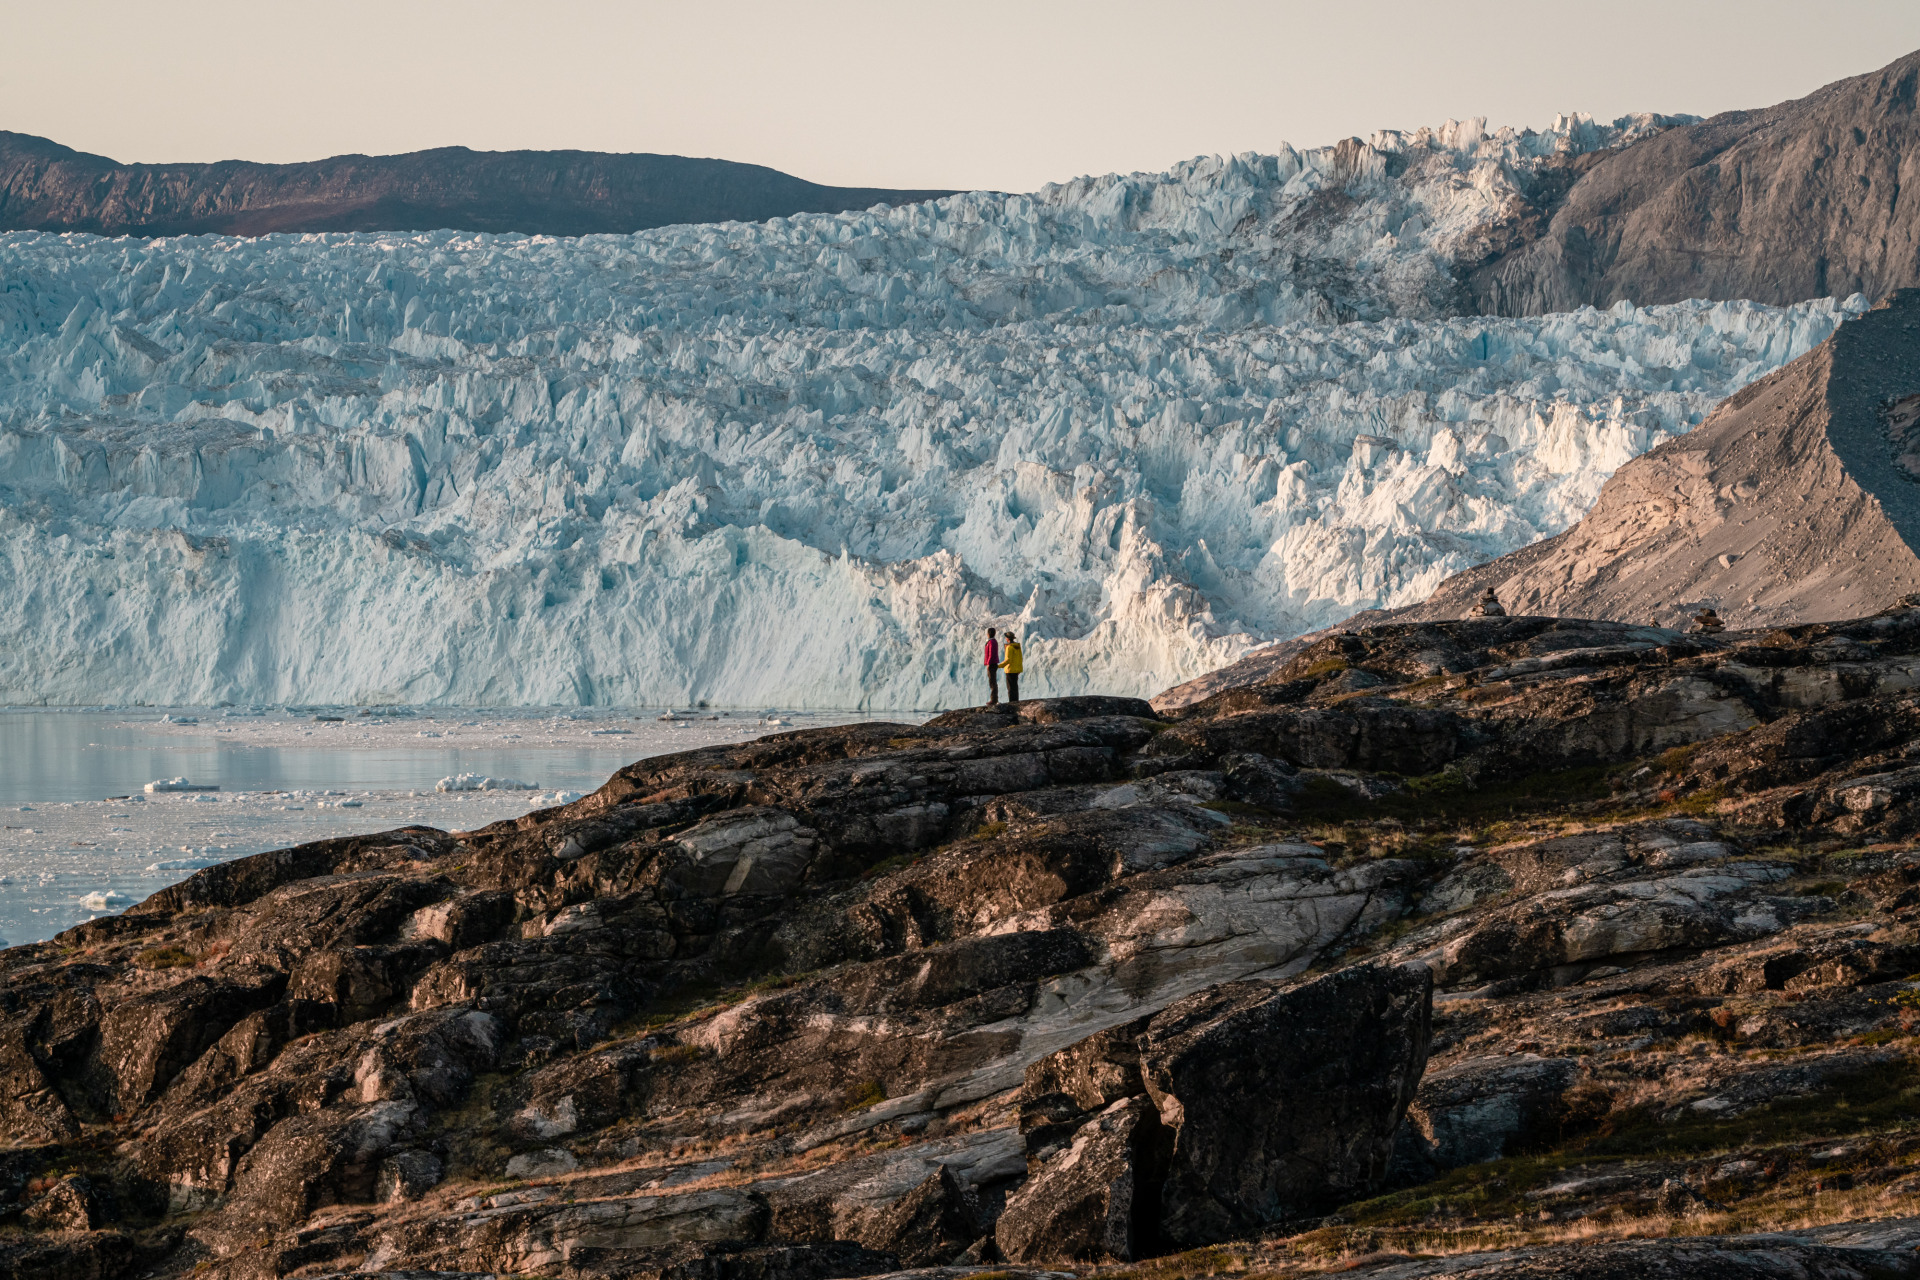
(166,957)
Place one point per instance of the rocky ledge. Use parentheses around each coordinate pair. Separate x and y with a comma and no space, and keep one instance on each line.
(1505,947)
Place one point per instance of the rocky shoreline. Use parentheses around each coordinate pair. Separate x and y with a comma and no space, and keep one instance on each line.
(1500,947)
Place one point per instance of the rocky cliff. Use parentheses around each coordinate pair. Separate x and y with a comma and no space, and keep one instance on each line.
(1794,201)
(1455,936)
(1797,500)
(47,187)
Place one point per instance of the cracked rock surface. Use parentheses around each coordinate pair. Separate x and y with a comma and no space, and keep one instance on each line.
(1456,938)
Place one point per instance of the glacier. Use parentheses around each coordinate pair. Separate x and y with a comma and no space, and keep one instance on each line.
(1150,421)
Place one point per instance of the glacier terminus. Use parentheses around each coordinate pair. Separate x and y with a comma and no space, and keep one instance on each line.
(1148,421)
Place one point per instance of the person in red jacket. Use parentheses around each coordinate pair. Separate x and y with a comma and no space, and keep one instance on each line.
(993,670)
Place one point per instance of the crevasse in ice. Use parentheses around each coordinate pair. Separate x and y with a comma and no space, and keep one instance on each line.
(1146,420)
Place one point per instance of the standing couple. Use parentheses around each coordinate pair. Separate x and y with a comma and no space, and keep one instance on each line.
(1003,657)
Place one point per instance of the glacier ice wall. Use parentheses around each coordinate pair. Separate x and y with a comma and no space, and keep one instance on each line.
(804,462)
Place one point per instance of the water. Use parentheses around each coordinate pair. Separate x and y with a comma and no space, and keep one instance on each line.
(80,837)
(77,755)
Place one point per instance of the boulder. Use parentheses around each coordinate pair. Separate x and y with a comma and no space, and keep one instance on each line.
(1481,1109)
(1283,1101)
(31,1109)
(1096,1201)
(335,1156)
(1065,1089)
(932,1224)
(70,1204)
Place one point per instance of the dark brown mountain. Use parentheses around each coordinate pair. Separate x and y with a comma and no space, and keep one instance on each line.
(1814,197)
(47,187)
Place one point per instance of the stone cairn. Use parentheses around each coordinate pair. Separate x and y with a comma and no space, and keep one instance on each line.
(1707,622)
(1489,606)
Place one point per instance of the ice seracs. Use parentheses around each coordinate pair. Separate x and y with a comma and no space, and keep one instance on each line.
(1148,421)
(481,782)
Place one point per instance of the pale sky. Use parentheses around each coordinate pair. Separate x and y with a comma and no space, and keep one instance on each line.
(977,93)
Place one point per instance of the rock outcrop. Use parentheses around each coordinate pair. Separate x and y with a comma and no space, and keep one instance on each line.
(1283,1104)
(1797,500)
(1799,200)
(1464,929)
(47,187)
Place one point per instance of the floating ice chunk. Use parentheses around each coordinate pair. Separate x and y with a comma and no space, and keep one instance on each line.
(173,719)
(185,864)
(480,782)
(559,797)
(178,784)
(105,900)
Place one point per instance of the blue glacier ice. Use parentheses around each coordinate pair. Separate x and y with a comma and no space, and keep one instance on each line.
(1149,421)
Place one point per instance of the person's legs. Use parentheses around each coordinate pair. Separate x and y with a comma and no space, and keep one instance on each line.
(993,686)
(1013,688)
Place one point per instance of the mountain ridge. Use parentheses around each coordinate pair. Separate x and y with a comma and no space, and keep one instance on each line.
(1796,200)
(45,186)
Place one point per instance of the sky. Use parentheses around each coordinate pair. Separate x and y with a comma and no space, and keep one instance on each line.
(982,94)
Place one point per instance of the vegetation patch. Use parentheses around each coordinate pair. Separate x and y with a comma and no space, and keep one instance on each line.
(1449,799)
(677,1054)
(860,1096)
(1876,1100)
(888,866)
(166,957)
(1880,1098)
(690,1004)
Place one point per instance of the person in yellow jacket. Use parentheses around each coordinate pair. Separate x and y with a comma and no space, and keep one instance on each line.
(1010,667)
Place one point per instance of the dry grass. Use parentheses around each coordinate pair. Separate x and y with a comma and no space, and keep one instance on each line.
(168,956)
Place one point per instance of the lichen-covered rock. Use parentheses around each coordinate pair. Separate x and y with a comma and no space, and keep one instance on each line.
(71,1204)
